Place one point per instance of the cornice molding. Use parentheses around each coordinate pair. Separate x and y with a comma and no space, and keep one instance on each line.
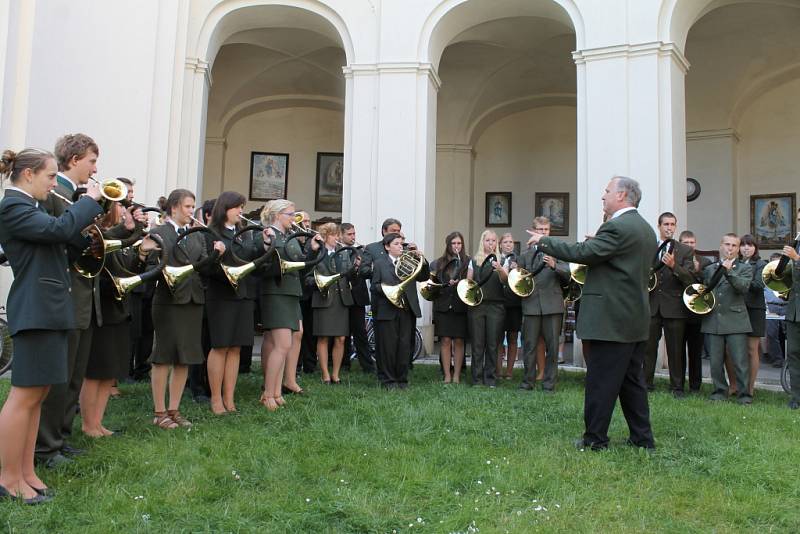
(373,69)
(219,141)
(659,48)
(456,148)
(200,66)
(726,133)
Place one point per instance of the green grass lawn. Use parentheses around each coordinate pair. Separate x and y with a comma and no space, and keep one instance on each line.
(434,458)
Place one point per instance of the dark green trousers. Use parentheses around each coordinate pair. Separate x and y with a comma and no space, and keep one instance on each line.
(674,330)
(737,348)
(61,404)
(548,327)
(793,355)
(486,330)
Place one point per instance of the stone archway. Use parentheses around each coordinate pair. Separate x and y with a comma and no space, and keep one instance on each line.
(287,55)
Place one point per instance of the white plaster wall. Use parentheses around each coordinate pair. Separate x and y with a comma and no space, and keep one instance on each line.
(768,156)
(524,153)
(759,157)
(299,132)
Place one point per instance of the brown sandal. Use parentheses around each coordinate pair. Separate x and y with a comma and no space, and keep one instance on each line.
(164,421)
(176,416)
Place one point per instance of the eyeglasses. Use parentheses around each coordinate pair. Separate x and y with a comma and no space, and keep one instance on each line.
(289,213)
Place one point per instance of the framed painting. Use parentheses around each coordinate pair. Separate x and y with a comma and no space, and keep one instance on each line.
(269,173)
(498,209)
(772,219)
(328,195)
(554,206)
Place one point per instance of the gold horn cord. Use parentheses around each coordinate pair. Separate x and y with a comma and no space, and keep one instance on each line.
(407,268)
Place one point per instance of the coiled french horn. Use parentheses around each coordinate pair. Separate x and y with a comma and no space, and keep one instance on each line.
(407,267)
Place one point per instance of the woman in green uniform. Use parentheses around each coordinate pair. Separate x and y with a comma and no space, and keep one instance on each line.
(487,318)
(280,308)
(40,311)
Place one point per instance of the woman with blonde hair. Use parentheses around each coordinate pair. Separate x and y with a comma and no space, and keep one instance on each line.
(487,318)
(331,316)
(280,308)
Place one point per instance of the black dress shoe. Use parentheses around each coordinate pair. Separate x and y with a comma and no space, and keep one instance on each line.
(582,445)
(679,394)
(69,450)
(794,404)
(47,492)
(647,446)
(38,499)
(526,386)
(201,399)
(54,462)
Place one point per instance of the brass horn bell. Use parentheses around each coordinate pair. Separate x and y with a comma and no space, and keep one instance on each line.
(407,268)
(520,282)
(779,283)
(90,264)
(325,281)
(698,299)
(469,292)
(234,273)
(577,271)
(174,276)
(430,290)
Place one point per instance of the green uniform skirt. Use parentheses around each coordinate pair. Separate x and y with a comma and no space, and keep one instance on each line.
(280,311)
(178,328)
(40,358)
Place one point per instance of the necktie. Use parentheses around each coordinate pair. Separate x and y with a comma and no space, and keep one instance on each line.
(182,230)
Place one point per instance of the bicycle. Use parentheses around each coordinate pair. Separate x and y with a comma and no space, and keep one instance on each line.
(371,340)
(785,377)
(6,344)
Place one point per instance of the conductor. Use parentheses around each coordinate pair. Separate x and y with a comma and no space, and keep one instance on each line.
(614,314)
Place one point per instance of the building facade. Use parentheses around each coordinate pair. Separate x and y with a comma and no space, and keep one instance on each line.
(433,103)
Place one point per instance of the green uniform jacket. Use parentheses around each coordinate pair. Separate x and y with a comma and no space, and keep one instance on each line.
(667,297)
(755,296)
(614,304)
(339,289)
(493,288)
(730,312)
(793,304)
(190,290)
(547,297)
(289,283)
(85,291)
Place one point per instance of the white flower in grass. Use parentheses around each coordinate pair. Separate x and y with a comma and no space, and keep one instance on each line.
(419,520)
(479,482)
(145,517)
(488,462)
(308,500)
(558,506)
(538,508)
(497,493)
(458,493)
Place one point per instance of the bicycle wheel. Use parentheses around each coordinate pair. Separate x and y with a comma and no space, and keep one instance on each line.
(785,377)
(6,347)
(417,343)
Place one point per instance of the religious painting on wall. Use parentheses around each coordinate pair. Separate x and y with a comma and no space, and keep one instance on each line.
(554,206)
(330,176)
(269,172)
(772,219)
(498,209)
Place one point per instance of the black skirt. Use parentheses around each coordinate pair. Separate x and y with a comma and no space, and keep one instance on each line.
(178,328)
(109,354)
(332,321)
(40,358)
(230,323)
(450,324)
(758,322)
(513,320)
(280,311)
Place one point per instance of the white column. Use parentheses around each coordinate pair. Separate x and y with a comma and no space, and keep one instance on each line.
(711,160)
(455,191)
(213,178)
(390,152)
(631,122)
(193,128)
(390,127)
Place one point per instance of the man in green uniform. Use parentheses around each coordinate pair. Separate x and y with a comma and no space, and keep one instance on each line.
(793,325)
(615,313)
(543,310)
(728,323)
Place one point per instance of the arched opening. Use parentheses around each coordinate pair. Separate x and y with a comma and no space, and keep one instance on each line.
(742,116)
(275,108)
(506,115)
